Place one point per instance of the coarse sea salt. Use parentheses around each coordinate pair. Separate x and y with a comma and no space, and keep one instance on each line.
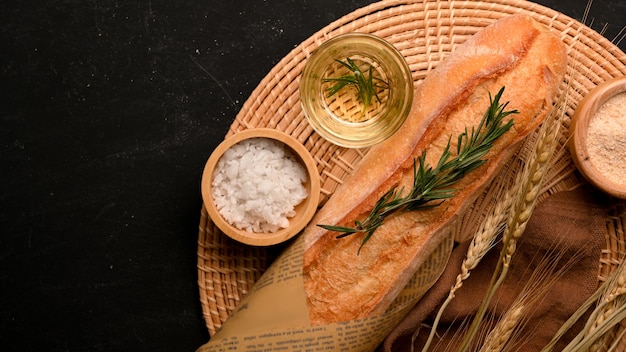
(257,184)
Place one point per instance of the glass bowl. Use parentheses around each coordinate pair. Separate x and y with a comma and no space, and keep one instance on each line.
(344,117)
(597,158)
(304,211)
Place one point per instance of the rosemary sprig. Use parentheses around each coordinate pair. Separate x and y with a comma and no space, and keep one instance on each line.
(366,85)
(432,186)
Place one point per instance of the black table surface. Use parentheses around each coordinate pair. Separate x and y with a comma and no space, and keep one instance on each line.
(108,112)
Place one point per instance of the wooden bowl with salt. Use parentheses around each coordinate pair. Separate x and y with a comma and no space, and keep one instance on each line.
(598,137)
(260,187)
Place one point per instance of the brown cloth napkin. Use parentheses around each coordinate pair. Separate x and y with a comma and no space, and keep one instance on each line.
(571,222)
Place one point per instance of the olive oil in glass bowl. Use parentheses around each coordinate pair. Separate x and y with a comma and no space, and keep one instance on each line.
(356,90)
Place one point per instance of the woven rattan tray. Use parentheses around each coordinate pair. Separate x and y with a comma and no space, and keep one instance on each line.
(424,32)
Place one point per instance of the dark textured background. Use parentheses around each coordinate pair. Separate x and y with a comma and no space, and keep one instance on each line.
(108,111)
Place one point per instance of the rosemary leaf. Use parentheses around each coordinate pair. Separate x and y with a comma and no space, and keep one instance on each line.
(366,85)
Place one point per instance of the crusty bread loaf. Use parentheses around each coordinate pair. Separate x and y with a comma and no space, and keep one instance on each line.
(516,53)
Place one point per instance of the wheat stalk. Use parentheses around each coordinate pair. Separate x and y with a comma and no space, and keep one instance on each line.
(547,272)
(482,241)
(618,340)
(610,310)
(607,310)
(524,202)
(602,318)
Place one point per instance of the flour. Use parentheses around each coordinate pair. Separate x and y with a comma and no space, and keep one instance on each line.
(606,140)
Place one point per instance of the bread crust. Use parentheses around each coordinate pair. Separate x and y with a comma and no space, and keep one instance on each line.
(515,52)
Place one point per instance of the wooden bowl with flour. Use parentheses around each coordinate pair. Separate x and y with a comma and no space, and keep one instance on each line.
(598,137)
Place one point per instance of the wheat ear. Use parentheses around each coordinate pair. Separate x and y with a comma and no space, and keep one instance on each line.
(612,303)
(499,336)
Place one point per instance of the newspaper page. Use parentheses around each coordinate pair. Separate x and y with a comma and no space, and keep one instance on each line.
(274,316)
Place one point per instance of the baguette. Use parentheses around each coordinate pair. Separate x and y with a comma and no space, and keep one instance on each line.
(515,52)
